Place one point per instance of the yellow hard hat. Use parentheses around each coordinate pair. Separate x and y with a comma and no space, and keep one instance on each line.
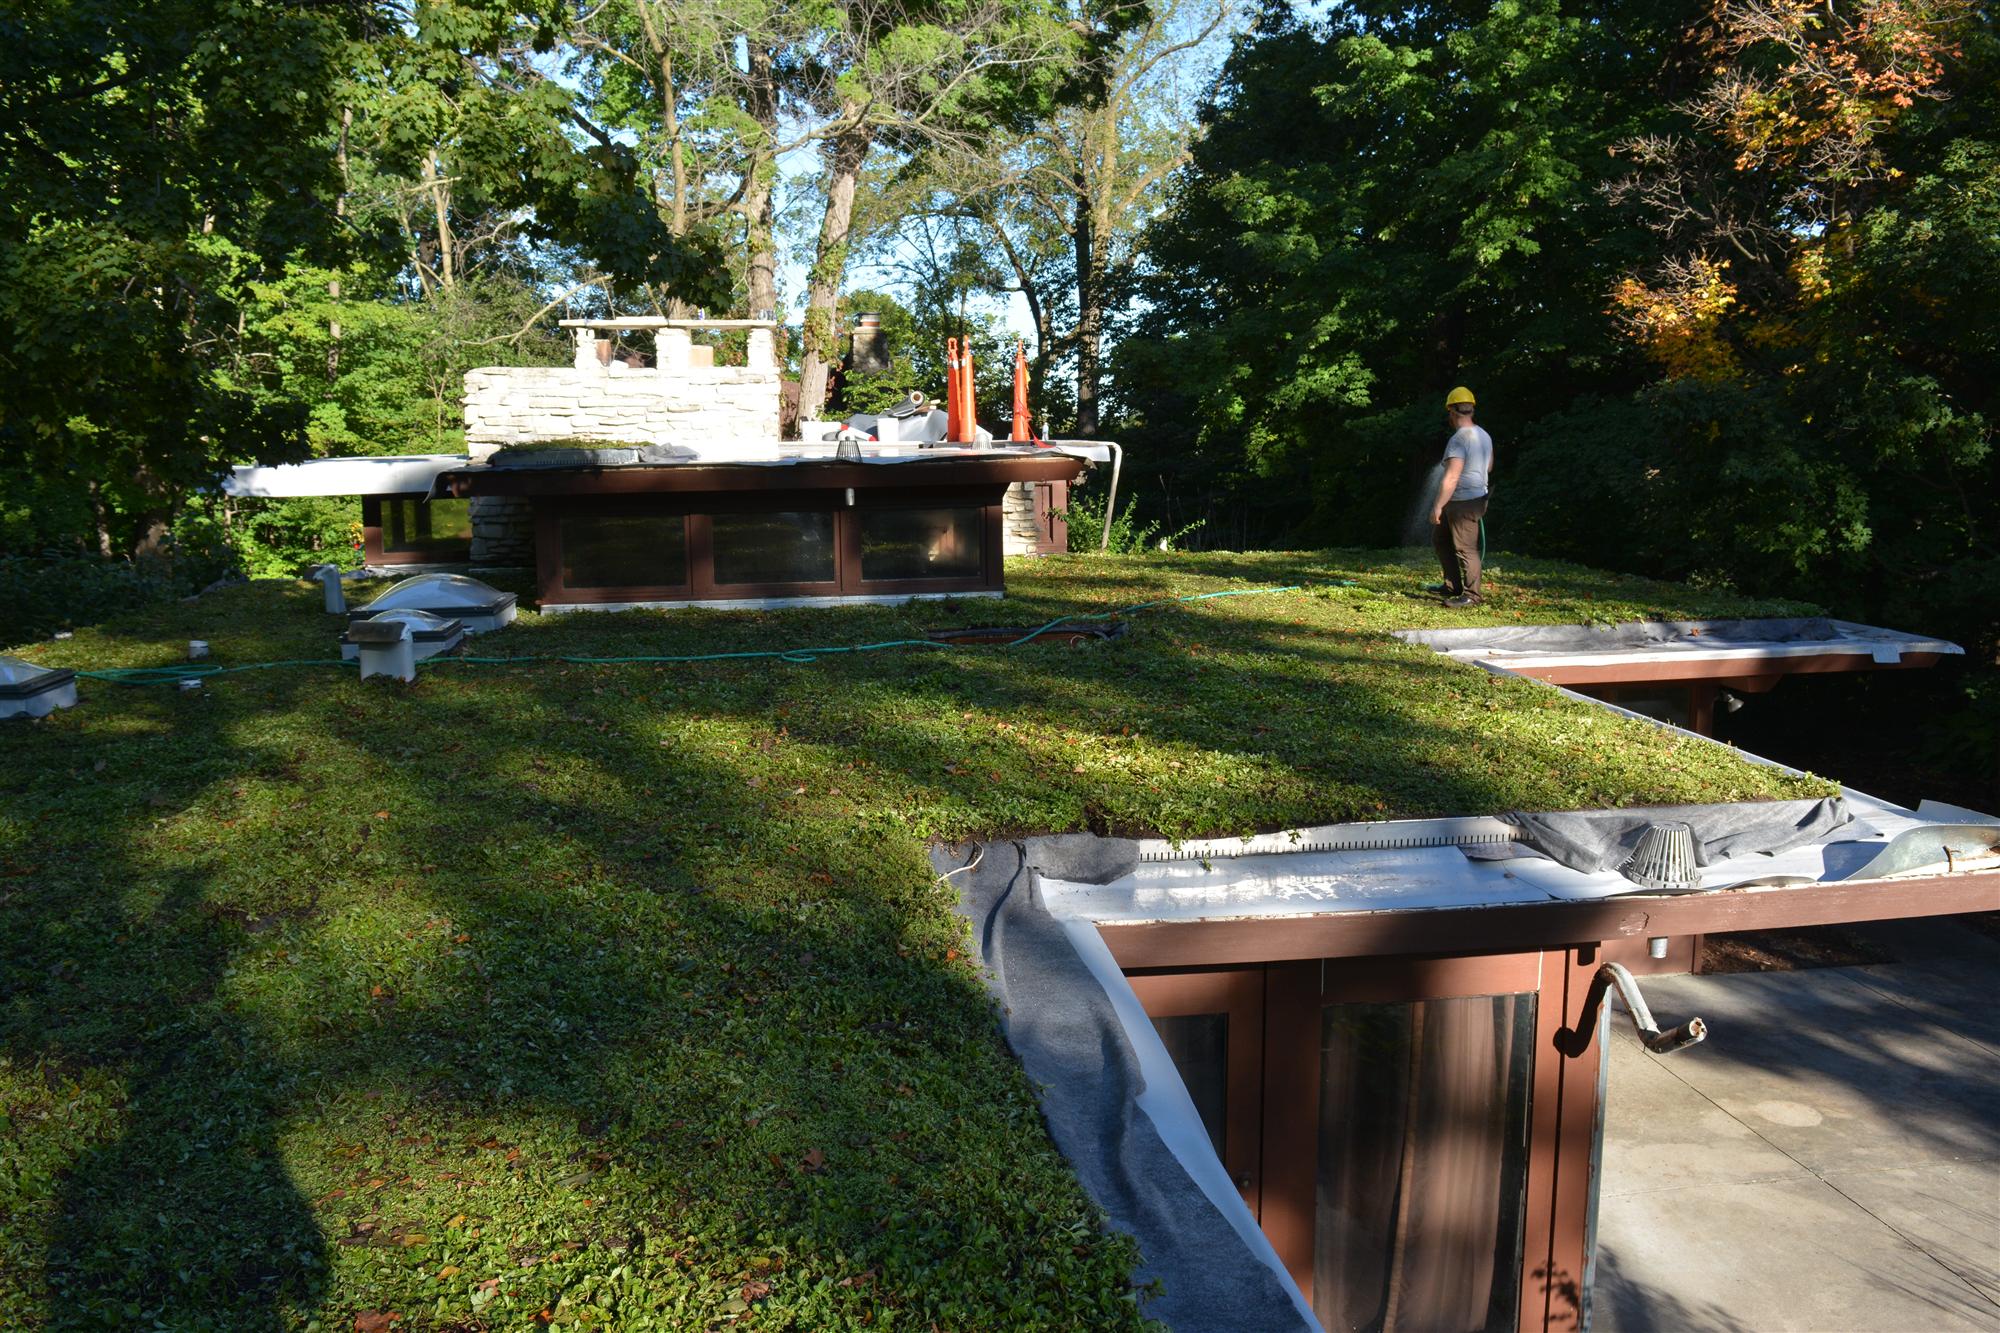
(1459,395)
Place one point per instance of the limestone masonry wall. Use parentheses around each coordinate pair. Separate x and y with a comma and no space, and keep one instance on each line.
(697,405)
(525,404)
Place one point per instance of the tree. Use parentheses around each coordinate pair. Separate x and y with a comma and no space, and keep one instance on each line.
(1428,214)
(915,76)
(166,161)
(1823,246)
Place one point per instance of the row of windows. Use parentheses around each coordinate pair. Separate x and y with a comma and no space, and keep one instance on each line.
(650,550)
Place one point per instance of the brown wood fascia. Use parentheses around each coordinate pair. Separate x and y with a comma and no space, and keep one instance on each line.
(1524,926)
(666,478)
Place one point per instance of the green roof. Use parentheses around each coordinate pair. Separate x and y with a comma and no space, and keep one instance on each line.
(627,988)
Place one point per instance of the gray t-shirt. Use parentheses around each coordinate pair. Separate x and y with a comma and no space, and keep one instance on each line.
(1475,446)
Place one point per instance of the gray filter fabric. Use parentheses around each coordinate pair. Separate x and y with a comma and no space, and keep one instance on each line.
(1061,1024)
(1594,840)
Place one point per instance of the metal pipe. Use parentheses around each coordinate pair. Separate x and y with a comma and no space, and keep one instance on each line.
(1687,1034)
(1111,500)
(1574,1041)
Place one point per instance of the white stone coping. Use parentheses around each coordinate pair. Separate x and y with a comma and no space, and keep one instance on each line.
(401,474)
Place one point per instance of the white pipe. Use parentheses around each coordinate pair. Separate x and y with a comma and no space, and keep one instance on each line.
(1111,500)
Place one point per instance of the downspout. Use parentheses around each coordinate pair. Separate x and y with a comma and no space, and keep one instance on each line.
(1111,500)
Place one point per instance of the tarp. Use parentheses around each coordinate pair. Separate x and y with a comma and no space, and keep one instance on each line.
(1064,1025)
(1594,840)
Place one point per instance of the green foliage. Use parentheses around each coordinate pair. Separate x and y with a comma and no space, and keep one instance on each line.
(1708,340)
(1429,216)
(1085,517)
(284,538)
(186,179)
(628,992)
(39,596)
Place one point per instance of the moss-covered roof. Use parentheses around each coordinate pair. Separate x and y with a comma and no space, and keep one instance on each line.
(627,988)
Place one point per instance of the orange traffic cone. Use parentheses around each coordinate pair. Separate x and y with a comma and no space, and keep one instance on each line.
(951,396)
(1021,433)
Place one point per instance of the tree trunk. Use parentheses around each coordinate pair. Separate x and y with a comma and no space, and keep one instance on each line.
(670,126)
(1089,312)
(759,211)
(101,519)
(434,180)
(850,150)
(340,216)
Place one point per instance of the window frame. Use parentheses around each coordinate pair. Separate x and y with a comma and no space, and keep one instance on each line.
(374,534)
(699,509)
(1563,1094)
(1237,993)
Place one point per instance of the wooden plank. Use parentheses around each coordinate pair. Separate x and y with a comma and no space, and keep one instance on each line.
(1561,1283)
(1721,670)
(1542,925)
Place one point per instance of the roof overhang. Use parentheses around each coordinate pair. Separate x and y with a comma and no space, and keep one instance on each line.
(1750,654)
(984,467)
(402,474)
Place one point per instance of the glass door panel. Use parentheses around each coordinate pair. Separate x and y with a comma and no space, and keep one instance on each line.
(1422,1164)
(1198,1044)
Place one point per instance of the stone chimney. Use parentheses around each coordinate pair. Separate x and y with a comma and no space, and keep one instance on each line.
(871,350)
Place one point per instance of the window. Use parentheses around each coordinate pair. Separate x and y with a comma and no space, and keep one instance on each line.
(415,526)
(921,543)
(624,550)
(1199,1047)
(773,547)
(1423,1166)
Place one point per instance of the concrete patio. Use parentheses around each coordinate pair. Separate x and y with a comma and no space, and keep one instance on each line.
(1830,1159)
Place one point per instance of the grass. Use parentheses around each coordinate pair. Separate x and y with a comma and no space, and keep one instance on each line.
(623,996)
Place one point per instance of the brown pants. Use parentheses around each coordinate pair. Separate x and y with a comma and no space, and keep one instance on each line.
(1456,541)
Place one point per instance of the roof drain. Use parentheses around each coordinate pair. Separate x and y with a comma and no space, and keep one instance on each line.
(1664,858)
(1576,1040)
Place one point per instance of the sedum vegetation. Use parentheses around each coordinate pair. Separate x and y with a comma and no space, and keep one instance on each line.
(624,995)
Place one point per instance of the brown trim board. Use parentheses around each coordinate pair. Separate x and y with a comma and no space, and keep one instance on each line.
(1489,929)
(636,479)
(1757,673)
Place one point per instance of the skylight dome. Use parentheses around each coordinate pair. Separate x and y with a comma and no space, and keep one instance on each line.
(429,634)
(27,690)
(479,606)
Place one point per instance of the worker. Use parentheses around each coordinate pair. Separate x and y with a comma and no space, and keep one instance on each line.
(1460,504)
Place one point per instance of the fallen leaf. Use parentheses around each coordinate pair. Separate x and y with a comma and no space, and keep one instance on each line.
(449,1270)
(815,1160)
(381,814)
(376,1321)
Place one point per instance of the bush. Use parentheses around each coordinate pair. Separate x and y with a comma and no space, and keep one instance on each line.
(1085,517)
(42,594)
